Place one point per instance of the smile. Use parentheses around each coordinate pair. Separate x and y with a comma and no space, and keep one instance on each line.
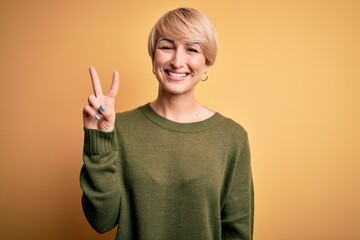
(176,74)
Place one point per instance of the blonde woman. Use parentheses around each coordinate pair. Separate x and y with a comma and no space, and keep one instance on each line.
(172,168)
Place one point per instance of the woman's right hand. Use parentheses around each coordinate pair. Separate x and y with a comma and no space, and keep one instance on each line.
(100,112)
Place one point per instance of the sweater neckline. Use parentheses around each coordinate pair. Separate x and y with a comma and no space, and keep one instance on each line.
(180,127)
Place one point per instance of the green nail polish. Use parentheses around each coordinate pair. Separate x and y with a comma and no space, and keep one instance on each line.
(97,117)
(103,107)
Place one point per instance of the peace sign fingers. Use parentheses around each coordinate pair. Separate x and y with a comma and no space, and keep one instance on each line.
(100,112)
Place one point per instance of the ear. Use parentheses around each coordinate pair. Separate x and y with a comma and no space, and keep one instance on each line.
(206,68)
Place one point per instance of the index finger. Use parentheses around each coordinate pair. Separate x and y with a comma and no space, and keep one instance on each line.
(95,82)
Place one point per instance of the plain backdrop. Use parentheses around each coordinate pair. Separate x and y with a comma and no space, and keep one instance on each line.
(288,71)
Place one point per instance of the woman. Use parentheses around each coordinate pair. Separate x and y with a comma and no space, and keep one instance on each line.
(171,169)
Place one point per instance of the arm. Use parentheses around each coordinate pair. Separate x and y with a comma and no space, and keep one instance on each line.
(238,212)
(99,177)
(100,180)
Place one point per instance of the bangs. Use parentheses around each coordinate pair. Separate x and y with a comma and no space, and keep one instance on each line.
(180,28)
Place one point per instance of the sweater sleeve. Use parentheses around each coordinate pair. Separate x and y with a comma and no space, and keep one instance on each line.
(238,211)
(100,180)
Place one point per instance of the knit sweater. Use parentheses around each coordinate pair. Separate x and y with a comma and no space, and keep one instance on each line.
(161,180)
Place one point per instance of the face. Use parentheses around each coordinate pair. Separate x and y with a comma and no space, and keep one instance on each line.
(178,65)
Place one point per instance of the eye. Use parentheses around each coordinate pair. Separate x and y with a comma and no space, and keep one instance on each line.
(194,50)
(166,47)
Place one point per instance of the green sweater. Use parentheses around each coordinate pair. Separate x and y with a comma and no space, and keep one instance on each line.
(159,179)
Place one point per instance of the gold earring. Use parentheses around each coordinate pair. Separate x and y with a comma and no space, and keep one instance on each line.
(205,78)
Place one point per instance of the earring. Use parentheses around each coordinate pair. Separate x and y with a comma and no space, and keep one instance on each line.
(153,69)
(206,78)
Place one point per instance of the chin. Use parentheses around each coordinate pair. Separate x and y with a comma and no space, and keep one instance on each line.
(176,90)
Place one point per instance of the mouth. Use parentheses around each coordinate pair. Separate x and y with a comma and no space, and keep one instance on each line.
(176,75)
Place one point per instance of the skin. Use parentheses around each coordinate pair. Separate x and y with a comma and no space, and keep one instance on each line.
(178,67)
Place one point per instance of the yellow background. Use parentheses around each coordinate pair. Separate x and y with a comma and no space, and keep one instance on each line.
(288,71)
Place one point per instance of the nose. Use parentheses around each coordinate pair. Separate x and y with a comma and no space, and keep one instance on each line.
(178,58)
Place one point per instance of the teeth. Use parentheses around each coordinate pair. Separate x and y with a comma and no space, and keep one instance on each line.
(177,74)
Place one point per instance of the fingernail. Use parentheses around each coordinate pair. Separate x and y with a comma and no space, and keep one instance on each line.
(97,117)
(103,107)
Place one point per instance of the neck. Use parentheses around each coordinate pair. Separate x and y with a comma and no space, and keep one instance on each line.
(180,108)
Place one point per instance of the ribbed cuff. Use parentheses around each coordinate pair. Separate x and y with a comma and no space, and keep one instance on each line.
(98,142)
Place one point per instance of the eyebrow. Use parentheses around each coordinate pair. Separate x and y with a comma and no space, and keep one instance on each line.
(173,41)
(167,40)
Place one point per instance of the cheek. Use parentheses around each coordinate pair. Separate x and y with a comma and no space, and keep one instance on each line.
(156,60)
(160,59)
(198,62)
(199,66)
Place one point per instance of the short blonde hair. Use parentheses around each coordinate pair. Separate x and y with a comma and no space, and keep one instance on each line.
(185,24)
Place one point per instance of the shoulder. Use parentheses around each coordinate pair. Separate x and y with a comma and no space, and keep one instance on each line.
(235,134)
(128,114)
(134,118)
(130,117)
(238,140)
(234,127)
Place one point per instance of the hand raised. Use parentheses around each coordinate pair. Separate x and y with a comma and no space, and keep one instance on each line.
(99,114)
